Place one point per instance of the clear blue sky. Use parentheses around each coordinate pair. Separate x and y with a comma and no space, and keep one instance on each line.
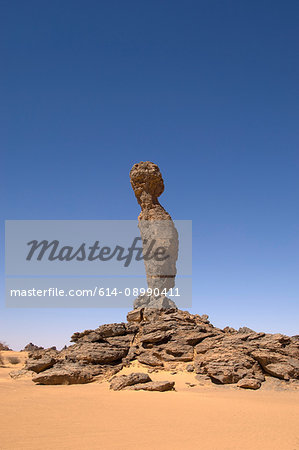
(208,90)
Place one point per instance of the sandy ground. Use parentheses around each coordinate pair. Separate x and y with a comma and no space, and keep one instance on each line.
(90,416)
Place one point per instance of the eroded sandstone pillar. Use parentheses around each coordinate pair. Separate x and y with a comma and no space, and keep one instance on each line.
(157,230)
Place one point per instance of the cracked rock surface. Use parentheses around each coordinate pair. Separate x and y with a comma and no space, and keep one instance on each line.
(169,339)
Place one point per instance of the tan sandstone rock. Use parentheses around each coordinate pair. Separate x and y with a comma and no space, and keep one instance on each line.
(156,226)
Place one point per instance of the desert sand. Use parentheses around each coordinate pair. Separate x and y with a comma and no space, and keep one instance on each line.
(91,416)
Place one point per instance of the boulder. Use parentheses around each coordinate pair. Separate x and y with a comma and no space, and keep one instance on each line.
(205,318)
(96,353)
(229,330)
(43,353)
(194,337)
(177,352)
(120,341)
(227,366)
(103,331)
(150,359)
(135,315)
(245,330)
(160,386)
(67,374)
(121,381)
(249,383)
(155,337)
(41,364)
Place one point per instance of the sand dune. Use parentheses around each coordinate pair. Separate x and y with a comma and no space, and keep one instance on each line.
(93,417)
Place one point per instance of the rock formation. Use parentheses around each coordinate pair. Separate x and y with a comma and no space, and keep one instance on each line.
(157,231)
(123,381)
(31,348)
(157,335)
(4,347)
(139,381)
(169,339)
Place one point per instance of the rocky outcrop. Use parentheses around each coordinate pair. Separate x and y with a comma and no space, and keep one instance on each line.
(64,374)
(139,381)
(158,233)
(173,340)
(4,347)
(31,348)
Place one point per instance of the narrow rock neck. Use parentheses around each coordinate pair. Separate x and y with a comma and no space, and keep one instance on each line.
(147,201)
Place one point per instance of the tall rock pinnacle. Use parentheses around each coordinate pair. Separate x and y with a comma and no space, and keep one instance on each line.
(157,230)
